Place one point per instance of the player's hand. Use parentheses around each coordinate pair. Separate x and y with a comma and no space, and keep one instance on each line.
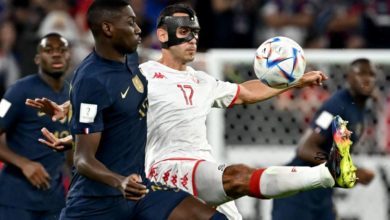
(364,176)
(57,112)
(132,188)
(36,174)
(57,144)
(312,78)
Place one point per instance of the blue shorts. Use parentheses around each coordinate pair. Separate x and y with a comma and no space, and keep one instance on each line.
(7,213)
(315,204)
(157,204)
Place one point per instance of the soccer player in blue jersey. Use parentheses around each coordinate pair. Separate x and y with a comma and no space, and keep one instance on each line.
(349,104)
(31,181)
(109,105)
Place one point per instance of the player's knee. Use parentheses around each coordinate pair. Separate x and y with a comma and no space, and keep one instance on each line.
(218,216)
(235,180)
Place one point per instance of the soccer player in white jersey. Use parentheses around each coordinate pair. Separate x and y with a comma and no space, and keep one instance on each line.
(180,98)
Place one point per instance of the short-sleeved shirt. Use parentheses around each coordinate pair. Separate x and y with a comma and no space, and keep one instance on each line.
(179,102)
(342,104)
(22,125)
(110,97)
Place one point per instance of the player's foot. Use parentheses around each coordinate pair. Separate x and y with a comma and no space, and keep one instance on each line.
(339,161)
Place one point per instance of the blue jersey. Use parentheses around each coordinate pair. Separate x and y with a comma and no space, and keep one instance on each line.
(341,103)
(23,128)
(110,97)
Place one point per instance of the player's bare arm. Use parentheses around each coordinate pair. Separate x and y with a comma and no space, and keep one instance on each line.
(87,165)
(312,78)
(309,147)
(35,173)
(255,91)
(56,111)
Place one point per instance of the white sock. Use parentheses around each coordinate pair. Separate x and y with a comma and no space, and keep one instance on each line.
(283,181)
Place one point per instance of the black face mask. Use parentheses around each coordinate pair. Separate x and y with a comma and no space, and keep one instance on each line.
(174,22)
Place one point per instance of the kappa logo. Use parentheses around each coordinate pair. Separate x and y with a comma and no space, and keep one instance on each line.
(174,180)
(184,181)
(159,75)
(123,95)
(294,170)
(153,173)
(166,176)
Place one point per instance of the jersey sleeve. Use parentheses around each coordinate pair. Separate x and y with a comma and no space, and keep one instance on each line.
(11,106)
(89,100)
(225,93)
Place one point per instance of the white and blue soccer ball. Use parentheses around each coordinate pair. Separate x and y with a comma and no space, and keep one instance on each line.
(279,62)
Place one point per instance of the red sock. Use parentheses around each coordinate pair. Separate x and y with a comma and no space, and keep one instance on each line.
(254,184)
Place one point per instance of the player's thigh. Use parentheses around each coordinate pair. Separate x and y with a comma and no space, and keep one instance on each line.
(209,186)
(208,183)
(165,202)
(98,208)
(204,183)
(203,179)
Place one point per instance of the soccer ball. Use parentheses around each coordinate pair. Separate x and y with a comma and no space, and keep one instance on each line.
(279,62)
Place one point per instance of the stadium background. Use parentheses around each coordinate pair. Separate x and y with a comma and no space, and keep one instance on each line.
(331,32)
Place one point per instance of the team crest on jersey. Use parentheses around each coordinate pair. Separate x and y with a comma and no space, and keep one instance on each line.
(138,84)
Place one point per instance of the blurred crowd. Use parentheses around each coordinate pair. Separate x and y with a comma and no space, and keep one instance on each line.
(225,24)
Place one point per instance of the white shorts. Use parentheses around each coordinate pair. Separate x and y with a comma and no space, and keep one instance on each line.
(201,178)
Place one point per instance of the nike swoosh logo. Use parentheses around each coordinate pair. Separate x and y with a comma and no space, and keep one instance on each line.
(40,114)
(123,95)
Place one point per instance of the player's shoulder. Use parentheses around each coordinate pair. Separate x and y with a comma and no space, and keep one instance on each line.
(199,72)
(89,63)
(150,68)
(23,88)
(339,97)
(91,68)
(29,80)
(335,105)
(149,65)
(202,75)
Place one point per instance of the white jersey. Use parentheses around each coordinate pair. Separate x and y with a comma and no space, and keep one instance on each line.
(179,102)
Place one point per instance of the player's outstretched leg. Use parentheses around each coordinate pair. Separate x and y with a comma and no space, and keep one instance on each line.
(340,162)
